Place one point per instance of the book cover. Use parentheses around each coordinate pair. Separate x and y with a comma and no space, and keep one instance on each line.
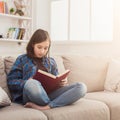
(1,7)
(11,33)
(16,32)
(6,8)
(50,82)
(21,33)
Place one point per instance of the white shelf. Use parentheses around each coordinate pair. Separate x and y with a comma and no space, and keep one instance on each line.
(15,21)
(15,16)
(13,40)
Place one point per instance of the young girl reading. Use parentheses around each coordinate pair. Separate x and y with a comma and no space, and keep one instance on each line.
(28,91)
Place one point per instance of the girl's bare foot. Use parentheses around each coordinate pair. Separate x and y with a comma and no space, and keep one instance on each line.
(35,106)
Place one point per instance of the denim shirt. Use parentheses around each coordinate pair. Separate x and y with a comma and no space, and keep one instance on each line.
(23,69)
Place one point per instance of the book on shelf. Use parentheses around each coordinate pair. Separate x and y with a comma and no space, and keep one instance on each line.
(3,7)
(16,33)
(49,81)
(6,11)
(11,33)
(21,33)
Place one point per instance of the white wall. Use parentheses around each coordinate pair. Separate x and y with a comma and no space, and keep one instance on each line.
(42,14)
(14,49)
(42,20)
(99,49)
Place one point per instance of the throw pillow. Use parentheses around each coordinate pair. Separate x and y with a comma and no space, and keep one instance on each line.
(2,74)
(4,99)
(113,76)
(90,70)
(9,61)
(3,82)
(59,62)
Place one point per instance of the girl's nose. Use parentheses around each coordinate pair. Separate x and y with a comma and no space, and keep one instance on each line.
(42,51)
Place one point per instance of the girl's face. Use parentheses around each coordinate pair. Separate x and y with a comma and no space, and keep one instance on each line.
(41,49)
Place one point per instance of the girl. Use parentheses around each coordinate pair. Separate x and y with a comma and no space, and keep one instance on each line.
(29,91)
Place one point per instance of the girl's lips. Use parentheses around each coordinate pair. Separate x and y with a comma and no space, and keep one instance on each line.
(40,55)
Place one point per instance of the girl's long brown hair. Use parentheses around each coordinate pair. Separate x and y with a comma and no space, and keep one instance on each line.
(37,37)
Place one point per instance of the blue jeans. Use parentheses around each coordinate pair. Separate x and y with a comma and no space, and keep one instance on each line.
(34,92)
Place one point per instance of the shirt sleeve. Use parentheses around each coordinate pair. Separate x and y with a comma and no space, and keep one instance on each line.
(14,78)
(54,68)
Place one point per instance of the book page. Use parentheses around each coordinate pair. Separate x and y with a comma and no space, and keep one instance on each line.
(65,72)
(47,74)
(53,76)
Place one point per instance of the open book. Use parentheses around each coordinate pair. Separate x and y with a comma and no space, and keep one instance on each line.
(50,82)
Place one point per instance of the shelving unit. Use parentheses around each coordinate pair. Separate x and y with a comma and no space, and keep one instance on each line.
(15,21)
(15,16)
(12,40)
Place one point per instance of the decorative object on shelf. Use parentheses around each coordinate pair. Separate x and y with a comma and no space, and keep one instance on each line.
(12,10)
(19,7)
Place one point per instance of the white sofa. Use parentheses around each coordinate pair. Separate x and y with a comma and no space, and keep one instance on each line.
(100,103)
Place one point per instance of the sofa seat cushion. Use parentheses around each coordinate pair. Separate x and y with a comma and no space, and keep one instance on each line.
(18,112)
(88,69)
(81,110)
(112,99)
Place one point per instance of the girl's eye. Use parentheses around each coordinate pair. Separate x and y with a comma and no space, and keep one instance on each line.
(46,48)
(39,47)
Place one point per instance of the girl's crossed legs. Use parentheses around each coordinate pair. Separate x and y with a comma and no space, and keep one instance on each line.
(34,95)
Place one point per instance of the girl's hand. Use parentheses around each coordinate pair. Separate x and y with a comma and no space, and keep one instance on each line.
(63,83)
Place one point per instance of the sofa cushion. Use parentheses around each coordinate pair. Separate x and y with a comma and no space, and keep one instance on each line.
(18,112)
(4,99)
(112,82)
(111,99)
(8,63)
(59,62)
(88,69)
(81,110)
(10,60)
(3,82)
